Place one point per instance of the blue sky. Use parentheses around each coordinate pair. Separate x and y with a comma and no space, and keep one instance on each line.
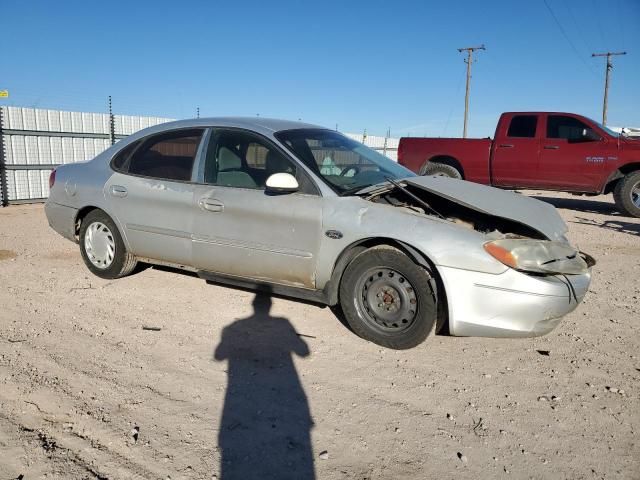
(357,64)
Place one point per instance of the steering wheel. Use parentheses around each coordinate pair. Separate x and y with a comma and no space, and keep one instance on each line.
(348,169)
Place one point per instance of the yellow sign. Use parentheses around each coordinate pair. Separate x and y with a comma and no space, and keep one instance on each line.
(4,93)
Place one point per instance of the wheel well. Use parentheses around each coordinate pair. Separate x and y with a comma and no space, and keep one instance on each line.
(446,160)
(82,213)
(349,253)
(617,175)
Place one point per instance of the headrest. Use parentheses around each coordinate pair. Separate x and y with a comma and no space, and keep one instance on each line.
(228,160)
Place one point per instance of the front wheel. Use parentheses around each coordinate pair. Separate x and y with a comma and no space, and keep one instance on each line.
(388,299)
(102,248)
(627,194)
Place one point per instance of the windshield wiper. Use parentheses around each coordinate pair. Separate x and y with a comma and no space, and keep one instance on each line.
(352,190)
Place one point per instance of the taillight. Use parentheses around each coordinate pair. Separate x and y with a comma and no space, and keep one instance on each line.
(52,179)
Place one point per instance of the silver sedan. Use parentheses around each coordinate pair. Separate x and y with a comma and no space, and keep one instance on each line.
(304,211)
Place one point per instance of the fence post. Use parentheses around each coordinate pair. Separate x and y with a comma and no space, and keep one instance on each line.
(4,192)
(386,136)
(112,124)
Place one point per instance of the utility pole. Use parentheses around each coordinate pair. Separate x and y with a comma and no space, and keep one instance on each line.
(608,69)
(468,61)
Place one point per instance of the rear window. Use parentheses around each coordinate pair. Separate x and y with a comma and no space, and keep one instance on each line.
(169,156)
(523,126)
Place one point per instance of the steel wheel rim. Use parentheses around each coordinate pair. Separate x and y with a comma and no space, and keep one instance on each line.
(386,300)
(99,245)
(635,194)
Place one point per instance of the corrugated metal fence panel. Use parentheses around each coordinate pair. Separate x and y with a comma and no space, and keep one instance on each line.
(128,124)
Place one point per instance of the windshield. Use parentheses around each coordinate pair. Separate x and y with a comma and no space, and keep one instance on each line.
(606,129)
(346,165)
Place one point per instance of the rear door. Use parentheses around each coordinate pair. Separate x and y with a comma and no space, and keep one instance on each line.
(152,195)
(573,155)
(241,230)
(515,152)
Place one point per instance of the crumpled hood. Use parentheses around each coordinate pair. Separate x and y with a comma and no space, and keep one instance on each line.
(494,201)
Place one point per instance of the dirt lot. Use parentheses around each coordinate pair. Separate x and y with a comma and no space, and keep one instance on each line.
(86,392)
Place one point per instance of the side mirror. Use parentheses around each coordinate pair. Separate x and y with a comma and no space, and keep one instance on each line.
(282,183)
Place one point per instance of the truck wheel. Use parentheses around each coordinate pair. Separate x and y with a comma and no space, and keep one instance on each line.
(627,194)
(387,298)
(441,170)
(102,248)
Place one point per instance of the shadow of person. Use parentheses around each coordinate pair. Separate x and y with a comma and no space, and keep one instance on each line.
(265,431)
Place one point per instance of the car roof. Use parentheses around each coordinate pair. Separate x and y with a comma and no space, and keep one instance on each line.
(258,124)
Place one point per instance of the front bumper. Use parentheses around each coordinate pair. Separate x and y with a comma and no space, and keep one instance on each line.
(62,219)
(511,304)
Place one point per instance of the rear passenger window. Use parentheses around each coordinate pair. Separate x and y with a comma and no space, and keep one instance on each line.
(523,126)
(120,160)
(169,156)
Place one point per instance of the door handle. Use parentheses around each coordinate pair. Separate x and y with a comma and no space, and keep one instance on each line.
(211,205)
(505,145)
(117,191)
(551,147)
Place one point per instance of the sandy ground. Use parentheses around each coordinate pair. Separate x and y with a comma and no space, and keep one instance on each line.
(86,392)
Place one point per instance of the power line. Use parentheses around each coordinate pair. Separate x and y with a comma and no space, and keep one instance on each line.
(564,34)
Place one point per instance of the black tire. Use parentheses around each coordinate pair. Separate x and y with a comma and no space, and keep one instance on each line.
(627,194)
(405,287)
(123,262)
(441,170)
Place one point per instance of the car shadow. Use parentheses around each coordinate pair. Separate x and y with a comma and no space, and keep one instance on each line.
(594,206)
(265,430)
(615,225)
(581,204)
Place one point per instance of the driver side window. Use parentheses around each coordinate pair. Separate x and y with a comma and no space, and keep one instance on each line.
(242,160)
(570,129)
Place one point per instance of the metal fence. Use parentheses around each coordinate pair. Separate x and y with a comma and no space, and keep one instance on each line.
(35,141)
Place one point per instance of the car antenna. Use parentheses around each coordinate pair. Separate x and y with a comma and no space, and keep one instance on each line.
(415,197)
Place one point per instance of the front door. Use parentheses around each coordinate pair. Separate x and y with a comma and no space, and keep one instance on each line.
(239,229)
(151,195)
(572,156)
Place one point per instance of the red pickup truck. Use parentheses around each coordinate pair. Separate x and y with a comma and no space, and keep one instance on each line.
(537,150)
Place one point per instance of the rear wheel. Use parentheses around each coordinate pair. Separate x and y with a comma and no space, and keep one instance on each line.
(627,194)
(441,170)
(102,248)
(387,298)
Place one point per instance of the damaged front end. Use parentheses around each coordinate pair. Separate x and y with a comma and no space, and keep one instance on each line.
(524,234)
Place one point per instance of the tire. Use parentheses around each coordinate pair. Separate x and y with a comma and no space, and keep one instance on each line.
(406,312)
(441,170)
(102,248)
(627,194)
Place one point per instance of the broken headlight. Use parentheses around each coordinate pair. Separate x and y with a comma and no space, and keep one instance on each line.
(539,256)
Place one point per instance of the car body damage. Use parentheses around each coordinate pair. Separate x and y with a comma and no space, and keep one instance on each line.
(479,204)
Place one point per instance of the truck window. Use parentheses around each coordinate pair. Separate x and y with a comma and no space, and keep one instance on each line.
(570,129)
(523,126)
